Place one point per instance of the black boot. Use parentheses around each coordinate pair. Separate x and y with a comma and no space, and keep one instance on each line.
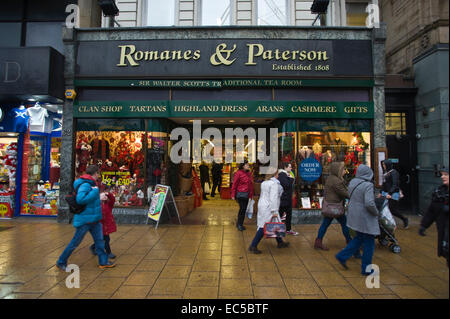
(254,250)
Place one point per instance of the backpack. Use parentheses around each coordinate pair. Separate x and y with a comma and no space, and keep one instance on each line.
(71,199)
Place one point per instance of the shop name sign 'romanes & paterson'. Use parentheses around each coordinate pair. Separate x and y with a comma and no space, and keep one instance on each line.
(198,109)
(224,57)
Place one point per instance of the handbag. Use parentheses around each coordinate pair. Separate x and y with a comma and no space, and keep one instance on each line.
(274,229)
(332,210)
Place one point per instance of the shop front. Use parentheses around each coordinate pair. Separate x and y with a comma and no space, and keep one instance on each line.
(30,131)
(323,98)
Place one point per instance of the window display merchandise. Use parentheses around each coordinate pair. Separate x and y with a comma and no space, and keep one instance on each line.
(8,165)
(119,154)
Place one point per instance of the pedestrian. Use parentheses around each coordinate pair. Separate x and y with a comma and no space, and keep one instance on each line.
(335,192)
(242,191)
(391,190)
(204,178)
(108,223)
(287,182)
(268,208)
(88,220)
(216,172)
(362,218)
(438,212)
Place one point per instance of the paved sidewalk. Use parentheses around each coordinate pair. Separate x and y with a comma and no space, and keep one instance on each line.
(207,257)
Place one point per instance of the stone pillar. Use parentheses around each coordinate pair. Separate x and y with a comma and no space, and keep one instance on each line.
(379,71)
(67,136)
(90,14)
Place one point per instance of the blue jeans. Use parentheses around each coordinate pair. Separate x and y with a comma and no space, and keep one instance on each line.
(327,222)
(368,245)
(259,235)
(97,235)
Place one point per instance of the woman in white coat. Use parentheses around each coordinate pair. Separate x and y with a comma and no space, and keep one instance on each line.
(268,207)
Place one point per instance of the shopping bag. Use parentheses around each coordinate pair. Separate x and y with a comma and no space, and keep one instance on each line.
(274,229)
(250,205)
(386,217)
(207,190)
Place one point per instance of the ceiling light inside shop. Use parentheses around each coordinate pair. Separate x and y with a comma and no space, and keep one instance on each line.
(252,121)
(211,121)
(191,121)
(231,121)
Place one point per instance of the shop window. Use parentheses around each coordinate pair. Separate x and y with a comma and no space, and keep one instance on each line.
(272,12)
(160,13)
(325,142)
(8,166)
(157,170)
(216,12)
(39,196)
(395,123)
(119,154)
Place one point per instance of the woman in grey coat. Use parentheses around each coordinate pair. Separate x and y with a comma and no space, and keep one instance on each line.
(362,217)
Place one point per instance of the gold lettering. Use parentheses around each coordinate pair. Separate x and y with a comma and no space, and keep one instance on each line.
(124,55)
(252,55)
(312,55)
(138,55)
(196,54)
(165,55)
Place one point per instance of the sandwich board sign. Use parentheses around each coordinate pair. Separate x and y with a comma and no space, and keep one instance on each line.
(161,197)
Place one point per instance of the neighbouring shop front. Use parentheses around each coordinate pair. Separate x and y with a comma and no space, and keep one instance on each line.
(321,95)
(31,96)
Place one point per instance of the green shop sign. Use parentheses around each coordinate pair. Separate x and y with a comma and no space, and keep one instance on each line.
(216,109)
(227,83)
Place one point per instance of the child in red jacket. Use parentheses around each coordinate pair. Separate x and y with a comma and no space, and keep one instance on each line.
(108,222)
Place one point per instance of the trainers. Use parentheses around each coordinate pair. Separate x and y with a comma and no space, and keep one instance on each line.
(61,267)
(283,245)
(111,256)
(107,265)
(291,232)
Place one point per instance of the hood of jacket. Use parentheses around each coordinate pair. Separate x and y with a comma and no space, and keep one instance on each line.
(388,164)
(336,169)
(364,172)
(83,179)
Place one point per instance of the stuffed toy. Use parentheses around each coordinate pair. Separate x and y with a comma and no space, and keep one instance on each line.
(10,160)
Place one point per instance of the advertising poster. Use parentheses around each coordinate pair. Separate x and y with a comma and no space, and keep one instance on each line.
(158,200)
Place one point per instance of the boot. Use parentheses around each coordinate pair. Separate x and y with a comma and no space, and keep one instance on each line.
(318,244)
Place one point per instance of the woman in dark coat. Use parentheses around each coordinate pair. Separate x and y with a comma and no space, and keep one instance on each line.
(391,190)
(438,212)
(335,192)
(287,182)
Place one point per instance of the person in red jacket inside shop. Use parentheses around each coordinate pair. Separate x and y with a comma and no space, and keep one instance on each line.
(242,191)
(108,223)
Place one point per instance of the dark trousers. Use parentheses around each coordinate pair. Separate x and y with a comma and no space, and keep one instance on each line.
(326,223)
(288,211)
(393,207)
(216,185)
(203,188)
(259,235)
(107,246)
(368,245)
(243,203)
(437,212)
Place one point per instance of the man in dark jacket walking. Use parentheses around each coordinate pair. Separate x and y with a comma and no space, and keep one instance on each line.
(204,177)
(88,220)
(438,212)
(391,190)
(287,182)
(216,172)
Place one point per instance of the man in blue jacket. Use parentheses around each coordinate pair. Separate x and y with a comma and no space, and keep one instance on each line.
(88,220)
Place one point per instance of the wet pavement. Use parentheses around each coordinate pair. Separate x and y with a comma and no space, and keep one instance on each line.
(207,257)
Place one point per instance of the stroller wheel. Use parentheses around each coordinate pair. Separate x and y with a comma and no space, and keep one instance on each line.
(395,249)
(383,241)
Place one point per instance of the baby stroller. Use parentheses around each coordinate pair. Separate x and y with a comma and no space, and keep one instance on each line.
(387,226)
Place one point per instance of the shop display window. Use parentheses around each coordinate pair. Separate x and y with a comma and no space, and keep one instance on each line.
(157,158)
(325,142)
(8,165)
(39,196)
(119,155)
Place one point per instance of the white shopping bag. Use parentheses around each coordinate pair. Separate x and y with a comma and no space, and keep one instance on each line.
(251,202)
(387,216)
